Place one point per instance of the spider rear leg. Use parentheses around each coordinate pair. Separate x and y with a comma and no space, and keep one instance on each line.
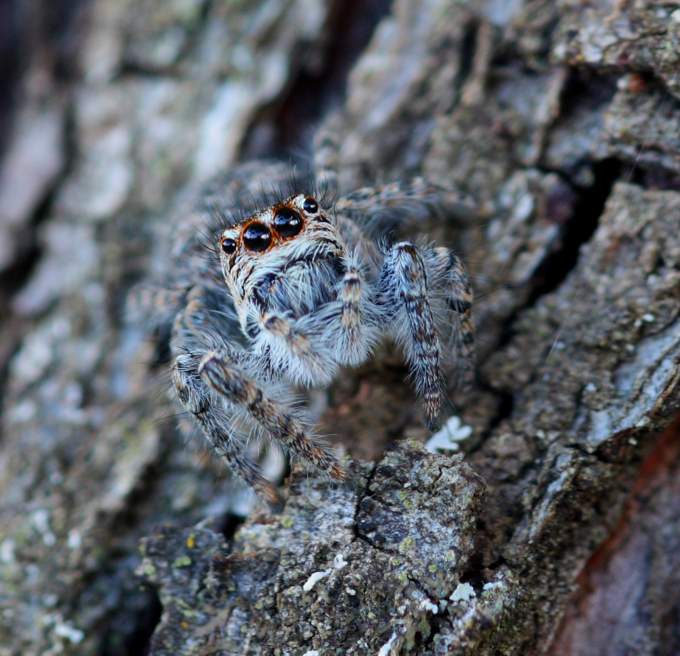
(459,299)
(327,153)
(404,282)
(195,397)
(393,206)
(270,415)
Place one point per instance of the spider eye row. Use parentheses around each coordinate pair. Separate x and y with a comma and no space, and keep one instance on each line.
(258,237)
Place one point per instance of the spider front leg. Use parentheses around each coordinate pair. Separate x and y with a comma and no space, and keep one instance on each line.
(216,370)
(195,397)
(286,339)
(403,286)
(356,334)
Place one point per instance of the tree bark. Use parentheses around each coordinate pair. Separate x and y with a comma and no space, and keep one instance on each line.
(550,526)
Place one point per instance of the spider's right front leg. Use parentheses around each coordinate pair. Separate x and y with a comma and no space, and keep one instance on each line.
(286,339)
(219,373)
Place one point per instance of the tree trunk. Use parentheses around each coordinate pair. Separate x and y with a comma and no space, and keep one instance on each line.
(551,525)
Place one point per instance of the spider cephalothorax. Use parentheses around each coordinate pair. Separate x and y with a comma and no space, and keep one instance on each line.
(303,291)
(294,285)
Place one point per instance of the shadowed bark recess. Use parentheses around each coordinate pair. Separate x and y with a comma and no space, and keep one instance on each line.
(546,523)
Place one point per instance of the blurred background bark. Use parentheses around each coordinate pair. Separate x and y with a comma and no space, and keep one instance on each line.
(549,523)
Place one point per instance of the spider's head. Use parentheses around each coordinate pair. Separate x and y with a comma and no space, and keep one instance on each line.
(290,245)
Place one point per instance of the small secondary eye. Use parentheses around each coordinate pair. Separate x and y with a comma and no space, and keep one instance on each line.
(257,237)
(228,245)
(287,222)
(310,206)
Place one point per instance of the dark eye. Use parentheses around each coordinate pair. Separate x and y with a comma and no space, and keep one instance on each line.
(287,222)
(228,245)
(310,206)
(257,237)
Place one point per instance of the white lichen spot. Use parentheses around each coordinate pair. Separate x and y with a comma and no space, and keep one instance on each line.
(74,539)
(643,422)
(648,318)
(339,561)
(386,649)
(675,16)
(449,436)
(350,591)
(560,51)
(463,592)
(427,605)
(314,579)
(69,632)
(524,207)
(590,388)
(50,600)
(311,652)
(492,586)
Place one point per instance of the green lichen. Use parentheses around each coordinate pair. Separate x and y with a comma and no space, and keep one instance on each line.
(287,522)
(148,569)
(407,544)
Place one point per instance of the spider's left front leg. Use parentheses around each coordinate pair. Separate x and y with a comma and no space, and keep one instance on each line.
(404,295)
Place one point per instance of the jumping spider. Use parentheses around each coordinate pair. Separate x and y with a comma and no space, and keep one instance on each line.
(292,290)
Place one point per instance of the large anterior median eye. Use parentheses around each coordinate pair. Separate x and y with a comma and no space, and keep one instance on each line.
(287,222)
(257,237)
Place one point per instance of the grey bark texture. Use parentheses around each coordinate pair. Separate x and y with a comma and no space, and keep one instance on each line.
(550,526)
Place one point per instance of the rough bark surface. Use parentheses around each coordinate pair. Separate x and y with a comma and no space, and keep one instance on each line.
(550,526)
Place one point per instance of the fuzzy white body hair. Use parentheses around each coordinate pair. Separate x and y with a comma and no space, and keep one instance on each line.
(304,291)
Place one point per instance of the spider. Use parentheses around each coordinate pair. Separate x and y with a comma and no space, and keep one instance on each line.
(292,289)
